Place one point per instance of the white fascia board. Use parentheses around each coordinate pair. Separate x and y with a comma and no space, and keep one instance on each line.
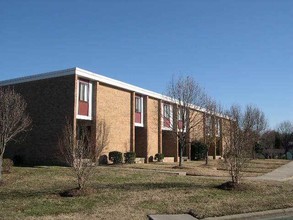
(36,77)
(100,78)
(94,76)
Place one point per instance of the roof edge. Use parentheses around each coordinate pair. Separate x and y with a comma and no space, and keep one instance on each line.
(94,76)
(40,76)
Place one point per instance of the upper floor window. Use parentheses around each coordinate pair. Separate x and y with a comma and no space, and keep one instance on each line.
(167,110)
(84,91)
(84,100)
(182,118)
(138,104)
(167,115)
(218,127)
(208,125)
(139,111)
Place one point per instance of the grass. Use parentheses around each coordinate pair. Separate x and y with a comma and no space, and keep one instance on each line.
(214,168)
(32,193)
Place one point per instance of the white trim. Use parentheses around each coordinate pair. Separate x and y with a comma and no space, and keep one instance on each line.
(126,86)
(141,113)
(83,117)
(41,76)
(96,77)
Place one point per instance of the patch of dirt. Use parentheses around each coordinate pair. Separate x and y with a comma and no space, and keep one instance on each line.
(77,192)
(182,167)
(232,186)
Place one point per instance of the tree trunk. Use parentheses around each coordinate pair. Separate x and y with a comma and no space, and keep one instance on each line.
(180,156)
(207,157)
(1,168)
(80,182)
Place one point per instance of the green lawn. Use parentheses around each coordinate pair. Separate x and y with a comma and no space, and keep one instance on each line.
(130,194)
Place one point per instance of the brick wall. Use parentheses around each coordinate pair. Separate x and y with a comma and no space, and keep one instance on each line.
(113,105)
(197,133)
(49,102)
(153,127)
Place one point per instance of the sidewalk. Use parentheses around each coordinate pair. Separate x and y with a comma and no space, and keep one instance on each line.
(282,173)
(264,215)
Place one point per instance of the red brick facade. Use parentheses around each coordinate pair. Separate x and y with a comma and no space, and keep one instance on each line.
(53,98)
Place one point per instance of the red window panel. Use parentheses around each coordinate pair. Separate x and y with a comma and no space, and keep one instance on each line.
(167,122)
(83,108)
(180,124)
(137,117)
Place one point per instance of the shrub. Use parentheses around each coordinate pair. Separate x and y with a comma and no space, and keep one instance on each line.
(115,157)
(198,150)
(18,160)
(159,157)
(130,157)
(7,164)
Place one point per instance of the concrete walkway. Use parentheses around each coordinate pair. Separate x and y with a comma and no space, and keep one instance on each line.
(264,215)
(282,173)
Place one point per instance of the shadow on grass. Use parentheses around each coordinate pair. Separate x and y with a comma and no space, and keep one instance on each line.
(18,194)
(152,186)
(14,194)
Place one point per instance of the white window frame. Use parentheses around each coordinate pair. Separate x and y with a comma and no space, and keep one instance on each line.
(90,92)
(84,97)
(179,118)
(208,125)
(141,112)
(218,127)
(170,116)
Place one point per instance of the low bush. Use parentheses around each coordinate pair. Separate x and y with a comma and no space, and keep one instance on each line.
(159,157)
(7,164)
(130,157)
(18,160)
(198,150)
(116,157)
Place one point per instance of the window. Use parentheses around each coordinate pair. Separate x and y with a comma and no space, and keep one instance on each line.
(179,114)
(167,116)
(138,104)
(139,111)
(167,110)
(84,99)
(218,127)
(83,92)
(208,124)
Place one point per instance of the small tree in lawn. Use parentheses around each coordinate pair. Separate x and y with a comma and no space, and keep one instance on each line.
(240,136)
(82,153)
(13,119)
(189,98)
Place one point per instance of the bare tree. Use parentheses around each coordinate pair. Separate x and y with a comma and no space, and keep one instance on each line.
(214,112)
(236,154)
(189,98)
(266,145)
(256,123)
(239,137)
(81,153)
(13,119)
(285,130)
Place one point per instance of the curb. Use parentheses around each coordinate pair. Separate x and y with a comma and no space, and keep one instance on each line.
(277,213)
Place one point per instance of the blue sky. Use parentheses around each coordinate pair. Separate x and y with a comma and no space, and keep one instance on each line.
(239,51)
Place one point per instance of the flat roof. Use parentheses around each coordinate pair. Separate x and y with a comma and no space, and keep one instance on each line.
(97,77)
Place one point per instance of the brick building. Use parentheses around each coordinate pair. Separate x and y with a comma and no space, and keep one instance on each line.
(136,116)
